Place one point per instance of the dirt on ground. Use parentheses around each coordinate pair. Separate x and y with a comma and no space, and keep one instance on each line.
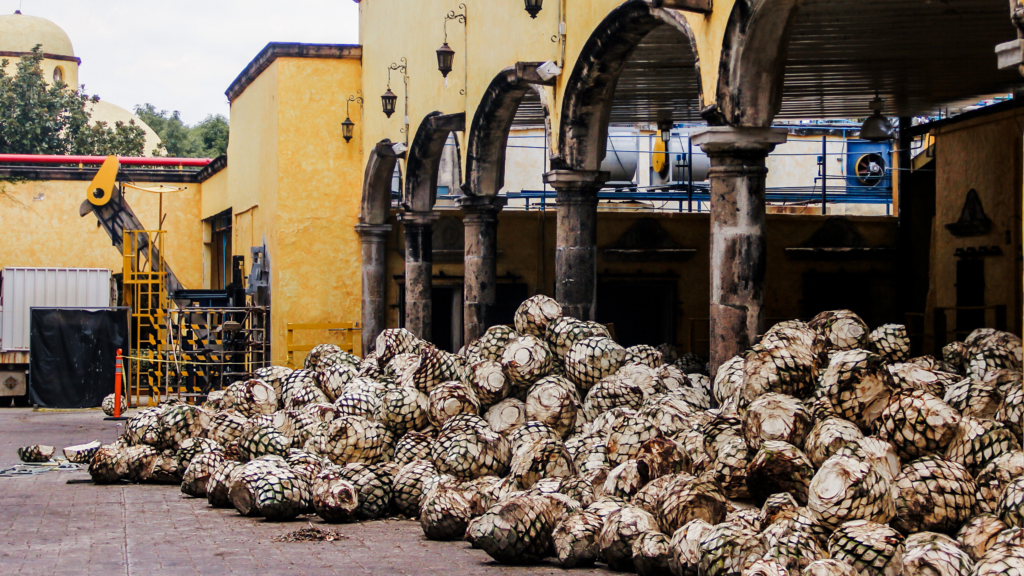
(311,534)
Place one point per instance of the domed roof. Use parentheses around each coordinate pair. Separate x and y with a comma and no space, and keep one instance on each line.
(20,33)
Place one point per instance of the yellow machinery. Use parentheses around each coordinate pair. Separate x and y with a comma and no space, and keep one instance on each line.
(144,292)
(175,349)
(659,160)
(147,280)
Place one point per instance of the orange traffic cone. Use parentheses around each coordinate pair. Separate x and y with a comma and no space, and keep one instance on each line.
(118,373)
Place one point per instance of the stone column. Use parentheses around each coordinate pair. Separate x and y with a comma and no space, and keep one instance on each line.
(481,262)
(738,241)
(576,251)
(419,269)
(374,240)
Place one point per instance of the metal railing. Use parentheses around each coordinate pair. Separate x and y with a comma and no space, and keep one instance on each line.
(700,198)
(350,337)
(145,294)
(210,348)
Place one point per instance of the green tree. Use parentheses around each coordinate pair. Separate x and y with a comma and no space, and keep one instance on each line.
(213,135)
(36,118)
(206,139)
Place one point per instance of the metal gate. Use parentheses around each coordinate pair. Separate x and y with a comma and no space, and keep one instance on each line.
(209,348)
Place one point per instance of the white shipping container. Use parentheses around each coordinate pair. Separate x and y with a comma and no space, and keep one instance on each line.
(21,289)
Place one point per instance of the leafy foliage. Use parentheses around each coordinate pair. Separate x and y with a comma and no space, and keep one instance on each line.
(36,118)
(206,139)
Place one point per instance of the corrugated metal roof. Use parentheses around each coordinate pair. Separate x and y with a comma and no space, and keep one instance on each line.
(661,75)
(921,56)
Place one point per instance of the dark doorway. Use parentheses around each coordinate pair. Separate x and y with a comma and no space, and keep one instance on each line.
(641,311)
(870,294)
(916,261)
(970,291)
(506,301)
(446,317)
(917,207)
(220,250)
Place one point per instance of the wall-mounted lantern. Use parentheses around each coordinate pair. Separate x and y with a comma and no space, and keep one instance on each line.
(534,7)
(389,101)
(348,127)
(445,54)
(445,58)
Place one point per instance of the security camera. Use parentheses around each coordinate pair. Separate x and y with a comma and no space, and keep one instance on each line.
(548,70)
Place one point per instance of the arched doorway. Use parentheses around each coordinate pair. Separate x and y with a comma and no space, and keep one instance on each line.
(424,160)
(639,66)
(485,177)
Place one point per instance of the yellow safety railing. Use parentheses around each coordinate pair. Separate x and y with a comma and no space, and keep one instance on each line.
(349,334)
(145,293)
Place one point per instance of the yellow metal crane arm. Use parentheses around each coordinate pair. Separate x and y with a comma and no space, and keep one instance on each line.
(101,189)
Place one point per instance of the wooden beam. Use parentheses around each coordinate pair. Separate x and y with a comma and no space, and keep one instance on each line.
(448,122)
(526,72)
(701,6)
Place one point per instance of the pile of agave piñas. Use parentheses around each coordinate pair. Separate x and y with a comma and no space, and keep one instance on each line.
(824,450)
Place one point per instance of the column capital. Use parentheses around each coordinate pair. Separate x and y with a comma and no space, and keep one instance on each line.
(576,179)
(471,204)
(733,140)
(418,218)
(373,230)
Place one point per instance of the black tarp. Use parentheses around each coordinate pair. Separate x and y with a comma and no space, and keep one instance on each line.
(72,353)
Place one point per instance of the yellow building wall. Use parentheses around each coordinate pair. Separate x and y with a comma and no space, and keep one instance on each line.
(522,39)
(43,228)
(294,183)
(320,182)
(984,154)
(795,163)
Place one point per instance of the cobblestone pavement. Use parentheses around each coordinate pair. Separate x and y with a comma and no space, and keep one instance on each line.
(48,526)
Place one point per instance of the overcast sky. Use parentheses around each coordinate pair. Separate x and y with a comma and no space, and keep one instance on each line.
(183,54)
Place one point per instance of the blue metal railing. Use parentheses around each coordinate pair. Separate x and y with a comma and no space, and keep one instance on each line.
(687,202)
(700,199)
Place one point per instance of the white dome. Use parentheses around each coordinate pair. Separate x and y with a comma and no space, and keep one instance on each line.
(20,33)
(104,111)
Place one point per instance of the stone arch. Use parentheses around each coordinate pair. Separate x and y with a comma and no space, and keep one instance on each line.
(753,63)
(587,101)
(375,206)
(373,230)
(424,159)
(421,168)
(488,134)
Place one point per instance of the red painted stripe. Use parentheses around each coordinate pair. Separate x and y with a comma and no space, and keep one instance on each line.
(125,161)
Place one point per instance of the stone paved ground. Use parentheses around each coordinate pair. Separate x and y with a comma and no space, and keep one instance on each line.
(48,526)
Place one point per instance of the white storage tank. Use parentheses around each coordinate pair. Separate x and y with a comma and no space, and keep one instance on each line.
(21,289)
(622,156)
